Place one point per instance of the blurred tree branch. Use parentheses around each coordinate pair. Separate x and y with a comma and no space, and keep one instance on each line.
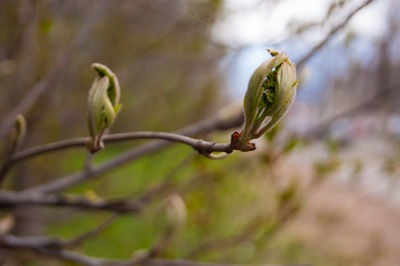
(333,31)
(9,199)
(53,247)
(78,240)
(321,129)
(43,85)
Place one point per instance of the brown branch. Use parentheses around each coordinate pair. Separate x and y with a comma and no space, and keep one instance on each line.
(203,127)
(11,199)
(227,242)
(368,104)
(50,247)
(70,256)
(165,262)
(78,240)
(200,145)
(333,31)
(7,162)
(146,197)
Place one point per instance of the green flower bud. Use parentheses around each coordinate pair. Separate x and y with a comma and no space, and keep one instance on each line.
(19,129)
(103,104)
(270,93)
(113,90)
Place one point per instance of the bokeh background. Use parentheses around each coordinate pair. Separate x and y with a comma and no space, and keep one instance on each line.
(322,187)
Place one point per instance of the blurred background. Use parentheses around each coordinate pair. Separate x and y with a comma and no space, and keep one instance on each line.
(322,188)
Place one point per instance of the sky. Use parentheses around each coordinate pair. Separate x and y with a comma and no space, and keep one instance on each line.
(252,22)
(251,26)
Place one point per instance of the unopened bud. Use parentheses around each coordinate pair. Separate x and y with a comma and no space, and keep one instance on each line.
(6,224)
(175,211)
(103,104)
(270,93)
(19,129)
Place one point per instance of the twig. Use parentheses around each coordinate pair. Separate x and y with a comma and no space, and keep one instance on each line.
(165,262)
(199,128)
(11,199)
(92,233)
(48,246)
(200,145)
(89,162)
(227,242)
(320,129)
(333,31)
(71,256)
(7,162)
(150,193)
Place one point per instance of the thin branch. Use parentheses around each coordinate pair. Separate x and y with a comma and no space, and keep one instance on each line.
(230,241)
(49,246)
(149,194)
(333,31)
(76,241)
(205,126)
(29,241)
(7,162)
(165,262)
(11,199)
(200,145)
(88,162)
(70,256)
(34,94)
(370,103)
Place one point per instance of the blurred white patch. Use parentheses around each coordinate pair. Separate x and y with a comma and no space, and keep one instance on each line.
(255,22)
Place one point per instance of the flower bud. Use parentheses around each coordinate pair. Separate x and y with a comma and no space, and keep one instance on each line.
(270,93)
(6,224)
(175,211)
(20,129)
(103,104)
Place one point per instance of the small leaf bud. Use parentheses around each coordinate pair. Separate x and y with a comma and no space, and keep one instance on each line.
(103,104)
(270,93)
